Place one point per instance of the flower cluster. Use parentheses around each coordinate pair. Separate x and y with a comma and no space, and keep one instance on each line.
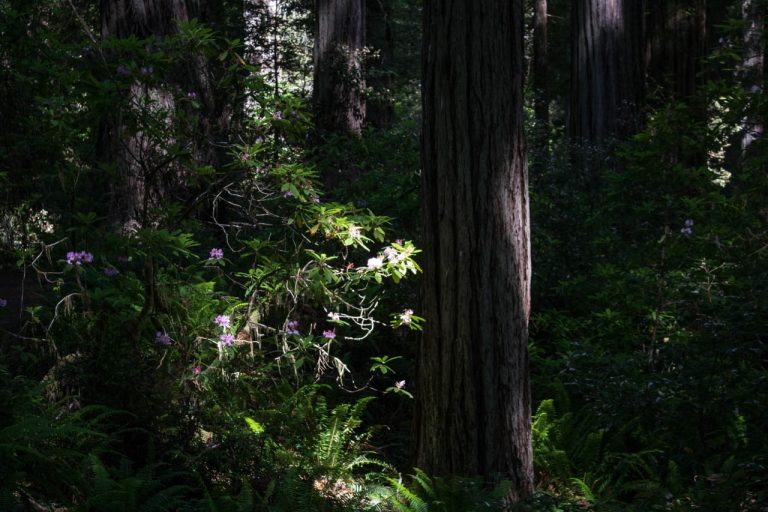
(78,258)
(24,229)
(41,221)
(216,253)
(390,254)
(329,334)
(111,271)
(162,338)
(407,319)
(292,327)
(687,229)
(223,321)
(395,256)
(3,303)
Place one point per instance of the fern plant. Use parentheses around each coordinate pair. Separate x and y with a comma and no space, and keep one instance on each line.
(550,459)
(41,443)
(152,488)
(453,494)
(322,457)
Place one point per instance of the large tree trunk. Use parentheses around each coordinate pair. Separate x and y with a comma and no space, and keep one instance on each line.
(148,174)
(142,18)
(607,70)
(540,88)
(338,79)
(473,398)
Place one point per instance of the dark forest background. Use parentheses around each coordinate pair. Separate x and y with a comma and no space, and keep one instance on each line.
(211,235)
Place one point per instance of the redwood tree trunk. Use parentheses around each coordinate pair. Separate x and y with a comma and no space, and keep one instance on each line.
(607,70)
(338,77)
(142,18)
(675,46)
(148,176)
(676,42)
(540,88)
(473,399)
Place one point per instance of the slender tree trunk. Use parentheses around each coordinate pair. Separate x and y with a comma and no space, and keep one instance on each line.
(607,70)
(540,75)
(379,108)
(473,398)
(259,45)
(753,14)
(338,79)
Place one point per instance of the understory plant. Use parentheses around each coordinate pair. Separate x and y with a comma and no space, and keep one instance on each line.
(225,317)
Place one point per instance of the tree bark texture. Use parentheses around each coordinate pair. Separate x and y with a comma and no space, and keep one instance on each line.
(676,43)
(540,87)
(607,70)
(147,175)
(753,15)
(473,396)
(339,83)
(143,18)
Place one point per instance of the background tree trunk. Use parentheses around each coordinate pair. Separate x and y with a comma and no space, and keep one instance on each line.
(380,108)
(676,42)
(540,89)
(257,16)
(473,398)
(607,70)
(338,78)
(753,14)
(675,47)
(147,174)
(142,18)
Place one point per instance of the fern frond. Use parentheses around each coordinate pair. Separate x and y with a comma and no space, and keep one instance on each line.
(424,482)
(415,503)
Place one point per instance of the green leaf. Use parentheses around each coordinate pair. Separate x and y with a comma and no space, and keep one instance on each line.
(256,427)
